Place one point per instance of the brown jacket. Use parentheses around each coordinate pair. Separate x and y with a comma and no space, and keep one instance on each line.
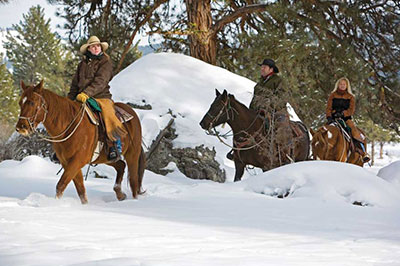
(92,77)
(341,102)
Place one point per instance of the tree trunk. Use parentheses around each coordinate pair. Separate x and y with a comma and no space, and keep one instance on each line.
(202,39)
(372,152)
(381,150)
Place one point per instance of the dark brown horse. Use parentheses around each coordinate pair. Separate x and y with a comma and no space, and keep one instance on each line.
(252,142)
(75,138)
(329,143)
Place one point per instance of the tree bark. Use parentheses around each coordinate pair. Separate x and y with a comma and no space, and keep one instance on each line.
(202,31)
(372,152)
(202,39)
(381,150)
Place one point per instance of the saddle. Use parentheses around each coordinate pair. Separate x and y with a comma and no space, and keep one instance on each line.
(94,113)
(344,129)
(346,133)
(297,127)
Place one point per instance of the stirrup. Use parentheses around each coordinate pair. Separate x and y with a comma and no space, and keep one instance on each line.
(113,154)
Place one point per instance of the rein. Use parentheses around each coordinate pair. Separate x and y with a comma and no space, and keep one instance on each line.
(343,132)
(43,105)
(227,107)
(343,154)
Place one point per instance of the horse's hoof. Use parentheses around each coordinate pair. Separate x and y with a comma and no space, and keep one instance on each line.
(121,196)
(84,202)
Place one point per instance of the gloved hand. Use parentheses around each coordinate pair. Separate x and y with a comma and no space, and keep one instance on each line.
(338,115)
(82,97)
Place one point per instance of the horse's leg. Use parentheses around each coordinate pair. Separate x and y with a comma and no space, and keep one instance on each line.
(132,159)
(239,170)
(70,171)
(80,187)
(119,166)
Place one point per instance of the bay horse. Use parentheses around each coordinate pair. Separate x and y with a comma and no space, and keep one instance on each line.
(329,143)
(250,137)
(75,138)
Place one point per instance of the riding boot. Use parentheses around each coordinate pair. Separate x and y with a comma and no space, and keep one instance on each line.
(229,155)
(115,151)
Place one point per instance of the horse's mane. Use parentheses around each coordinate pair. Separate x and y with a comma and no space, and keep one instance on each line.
(60,104)
(232,97)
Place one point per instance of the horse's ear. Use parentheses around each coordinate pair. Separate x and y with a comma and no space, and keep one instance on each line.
(312,132)
(39,87)
(23,86)
(225,93)
(217,93)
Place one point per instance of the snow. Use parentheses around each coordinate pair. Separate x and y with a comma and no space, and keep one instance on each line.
(180,221)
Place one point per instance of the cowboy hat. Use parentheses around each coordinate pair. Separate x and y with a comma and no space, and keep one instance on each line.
(270,63)
(93,40)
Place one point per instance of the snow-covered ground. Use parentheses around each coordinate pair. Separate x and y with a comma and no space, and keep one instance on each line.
(179,221)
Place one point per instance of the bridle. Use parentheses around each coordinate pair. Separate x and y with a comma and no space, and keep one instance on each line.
(31,120)
(226,107)
(43,106)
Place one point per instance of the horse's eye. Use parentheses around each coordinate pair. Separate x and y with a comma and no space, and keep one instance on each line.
(30,103)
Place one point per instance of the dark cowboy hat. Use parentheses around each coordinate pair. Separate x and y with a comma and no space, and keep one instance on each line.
(270,63)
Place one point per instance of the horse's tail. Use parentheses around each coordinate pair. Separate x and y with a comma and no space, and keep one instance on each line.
(141,168)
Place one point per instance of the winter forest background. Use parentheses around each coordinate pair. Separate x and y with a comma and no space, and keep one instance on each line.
(313,42)
(301,214)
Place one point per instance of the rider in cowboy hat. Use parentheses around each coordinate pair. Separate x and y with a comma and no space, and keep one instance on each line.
(91,80)
(269,96)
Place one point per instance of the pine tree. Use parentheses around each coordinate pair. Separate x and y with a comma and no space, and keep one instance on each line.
(36,53)
(8,96)
(114,22)
(8,105)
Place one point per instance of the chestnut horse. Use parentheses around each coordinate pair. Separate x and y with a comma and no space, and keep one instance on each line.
(75,138)
(329,143)
(251,139)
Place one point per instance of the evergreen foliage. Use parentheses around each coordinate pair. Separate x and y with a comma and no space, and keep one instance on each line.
(112,22)
(9,95)
(314,42)
(9,108)
(36,53)
(308,68)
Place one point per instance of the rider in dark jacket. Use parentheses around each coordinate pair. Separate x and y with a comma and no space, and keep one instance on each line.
(91,79)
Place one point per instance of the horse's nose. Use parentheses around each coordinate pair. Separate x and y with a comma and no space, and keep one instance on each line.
(21,127)
(203,124)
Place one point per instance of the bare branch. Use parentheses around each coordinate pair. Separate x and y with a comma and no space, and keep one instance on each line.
(240,12)
(147,17)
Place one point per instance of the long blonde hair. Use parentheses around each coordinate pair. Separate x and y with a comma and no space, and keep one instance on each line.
(348,87)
